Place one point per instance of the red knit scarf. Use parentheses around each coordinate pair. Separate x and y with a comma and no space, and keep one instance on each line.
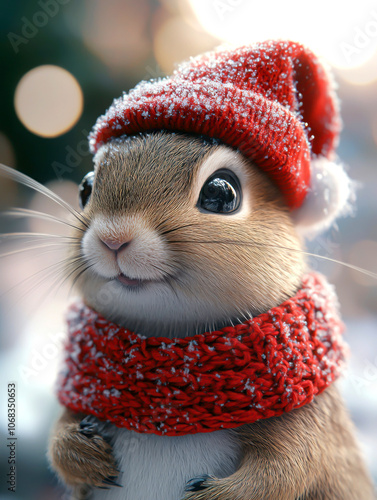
(262,368)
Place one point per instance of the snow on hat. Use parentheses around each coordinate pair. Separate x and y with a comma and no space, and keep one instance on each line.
(273,101)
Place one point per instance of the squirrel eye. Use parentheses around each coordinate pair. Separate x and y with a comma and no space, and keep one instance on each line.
(221,193)
(85,189)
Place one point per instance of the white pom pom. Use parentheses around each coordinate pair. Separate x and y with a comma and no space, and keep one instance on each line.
(331,195)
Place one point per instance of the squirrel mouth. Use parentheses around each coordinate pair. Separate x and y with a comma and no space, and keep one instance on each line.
(135,282)
(125,280)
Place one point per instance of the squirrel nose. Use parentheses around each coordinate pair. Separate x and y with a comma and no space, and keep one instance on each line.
(115,246)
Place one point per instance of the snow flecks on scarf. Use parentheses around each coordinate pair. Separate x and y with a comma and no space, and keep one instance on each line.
(271,364)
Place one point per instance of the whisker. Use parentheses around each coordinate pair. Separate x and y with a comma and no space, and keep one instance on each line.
(164,272)
(52,268)
(82,262)
(57,277)
(49,247)
(176,229)
(76,278)
(162,223)
(170,283)
(371,274)
(170,278)
(62,273)
(53,272)
(59,282)
(25,212)
(37,235)
(31,183)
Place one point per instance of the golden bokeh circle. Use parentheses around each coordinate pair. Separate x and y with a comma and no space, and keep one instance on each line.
(48,100)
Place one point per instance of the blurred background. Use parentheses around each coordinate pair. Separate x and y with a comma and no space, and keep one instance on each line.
(62,63)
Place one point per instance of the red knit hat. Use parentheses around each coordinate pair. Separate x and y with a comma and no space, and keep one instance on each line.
(272,101)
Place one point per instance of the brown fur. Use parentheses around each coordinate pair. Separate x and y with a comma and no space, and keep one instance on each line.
(307,454)
(77,458)
(153,176)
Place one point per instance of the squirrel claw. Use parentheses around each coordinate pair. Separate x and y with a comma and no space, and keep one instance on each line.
(197,483)
(88,427)
(110,481)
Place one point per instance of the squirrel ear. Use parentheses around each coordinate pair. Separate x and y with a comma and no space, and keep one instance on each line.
(331,195)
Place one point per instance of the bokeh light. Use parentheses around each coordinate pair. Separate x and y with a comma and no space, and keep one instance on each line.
(116,32)
(344,33)
(48,100)
(177,40)
(364,74)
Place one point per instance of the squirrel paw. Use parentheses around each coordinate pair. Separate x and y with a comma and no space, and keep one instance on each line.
(81,453)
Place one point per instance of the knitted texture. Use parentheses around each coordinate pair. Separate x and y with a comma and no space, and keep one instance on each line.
(272,101)
(262,368)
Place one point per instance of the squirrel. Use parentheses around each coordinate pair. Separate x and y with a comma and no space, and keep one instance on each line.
(193,220)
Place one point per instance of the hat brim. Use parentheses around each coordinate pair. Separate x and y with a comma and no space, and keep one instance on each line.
(265,131)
